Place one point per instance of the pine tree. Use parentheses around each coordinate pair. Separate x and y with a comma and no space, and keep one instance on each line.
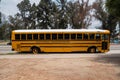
(43,14)
(62,17)
(33,16)
(0,15)
(24,8)
(54,17)
(113,8)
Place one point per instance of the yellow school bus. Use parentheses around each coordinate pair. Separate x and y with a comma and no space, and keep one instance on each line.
(61,40)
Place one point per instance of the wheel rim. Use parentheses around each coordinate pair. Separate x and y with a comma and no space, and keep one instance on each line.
(92,50)
(35,51)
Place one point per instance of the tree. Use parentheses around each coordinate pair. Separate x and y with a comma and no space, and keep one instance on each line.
(113,7)
(33,16)
(111,25)
(108,21)
(0,15)
(1,33)
(24,8)
(16,22)
(4,31)
(43,14)
(0,18)
(71,13)
(100,13)
(62,17)
(81,16)
(54,17)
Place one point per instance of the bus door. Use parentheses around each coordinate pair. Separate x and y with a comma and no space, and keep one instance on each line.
(105,42)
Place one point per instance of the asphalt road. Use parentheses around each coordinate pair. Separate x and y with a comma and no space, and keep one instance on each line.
(67,66)
(5,49)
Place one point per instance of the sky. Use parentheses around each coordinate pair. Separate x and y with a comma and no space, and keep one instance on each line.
(9,7)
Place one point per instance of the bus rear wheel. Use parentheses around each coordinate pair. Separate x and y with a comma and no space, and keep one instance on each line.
(35,50)
(92,50)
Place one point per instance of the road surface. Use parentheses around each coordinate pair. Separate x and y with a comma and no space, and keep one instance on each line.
(60,66)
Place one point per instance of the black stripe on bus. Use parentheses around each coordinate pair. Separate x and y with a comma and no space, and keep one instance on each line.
(59,40)
(60,43)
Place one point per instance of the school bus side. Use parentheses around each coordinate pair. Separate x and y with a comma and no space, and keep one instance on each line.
(59,42)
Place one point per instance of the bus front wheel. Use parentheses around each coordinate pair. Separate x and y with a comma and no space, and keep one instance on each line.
(35,50)
(92,50)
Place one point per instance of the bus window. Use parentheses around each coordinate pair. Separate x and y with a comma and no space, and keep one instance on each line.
(29,36)
(60,36)
(42,36)
(66,36)
(54,36)
(35,36)
(17,36)
(85,36)
(47,36)
(98,37)
(92,36)
(79,36)
(23,36)
(105,37)
(73,36)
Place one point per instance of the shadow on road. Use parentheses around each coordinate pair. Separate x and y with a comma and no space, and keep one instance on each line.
(76,52)
(111,58)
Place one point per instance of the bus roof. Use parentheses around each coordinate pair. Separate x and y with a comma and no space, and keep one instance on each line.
(59,30)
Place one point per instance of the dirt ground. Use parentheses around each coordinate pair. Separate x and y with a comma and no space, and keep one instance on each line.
(60,69)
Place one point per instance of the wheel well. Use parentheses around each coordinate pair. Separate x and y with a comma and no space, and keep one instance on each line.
(92,47)
(35,47)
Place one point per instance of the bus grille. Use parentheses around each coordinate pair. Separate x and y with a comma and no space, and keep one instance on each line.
(104,45)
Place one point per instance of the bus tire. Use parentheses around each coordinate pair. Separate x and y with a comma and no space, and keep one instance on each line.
(35,50)
(92,50)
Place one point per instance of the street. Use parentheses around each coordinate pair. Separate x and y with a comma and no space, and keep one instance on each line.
(59,66)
